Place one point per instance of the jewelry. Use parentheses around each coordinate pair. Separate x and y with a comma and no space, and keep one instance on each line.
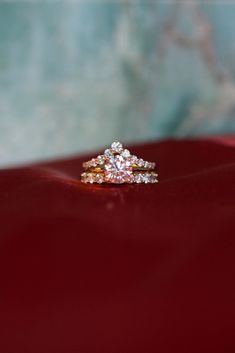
(118,166)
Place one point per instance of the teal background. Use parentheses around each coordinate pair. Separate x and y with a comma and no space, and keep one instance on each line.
(75,75)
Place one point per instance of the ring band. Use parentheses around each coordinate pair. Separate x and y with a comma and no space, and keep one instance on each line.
(118,166)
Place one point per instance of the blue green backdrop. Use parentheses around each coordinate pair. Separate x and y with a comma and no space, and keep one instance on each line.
(75,75)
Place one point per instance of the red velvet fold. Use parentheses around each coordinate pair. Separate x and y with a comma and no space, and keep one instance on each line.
(121,269)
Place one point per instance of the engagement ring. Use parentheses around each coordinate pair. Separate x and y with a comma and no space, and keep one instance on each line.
(118,166)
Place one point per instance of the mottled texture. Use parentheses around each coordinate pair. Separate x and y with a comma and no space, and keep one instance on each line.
(77,75)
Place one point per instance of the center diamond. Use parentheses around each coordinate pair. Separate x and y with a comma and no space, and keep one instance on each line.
(118,170)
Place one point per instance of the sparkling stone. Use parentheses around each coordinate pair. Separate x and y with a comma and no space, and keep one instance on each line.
(125,153)
(118,170)
(153,178)
(83,177)
(100,160)
(133,159)
(99,178)
(143,178)
(146,178)
(138,178)
(140,162)
(108,152)
(90,178)
(117,147)
(93,162)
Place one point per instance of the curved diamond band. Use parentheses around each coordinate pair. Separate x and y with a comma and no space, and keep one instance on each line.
(118,166)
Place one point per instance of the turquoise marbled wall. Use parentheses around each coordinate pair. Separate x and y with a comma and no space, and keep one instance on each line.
(74,75)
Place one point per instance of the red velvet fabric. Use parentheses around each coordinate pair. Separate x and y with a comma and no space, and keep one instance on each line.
(121,269)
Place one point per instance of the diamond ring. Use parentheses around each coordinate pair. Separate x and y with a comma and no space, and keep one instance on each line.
(118,166)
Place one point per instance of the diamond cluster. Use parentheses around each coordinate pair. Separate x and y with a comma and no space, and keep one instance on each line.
(118,166)
(92,178)
(136,178)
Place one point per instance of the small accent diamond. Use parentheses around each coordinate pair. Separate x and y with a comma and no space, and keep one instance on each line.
(153,178)
(108,152)
(100,160)
(93,162)
(133,159)
(125,153)
(99,178)
(140,162)
(138,178)
(90,178)
(117,147)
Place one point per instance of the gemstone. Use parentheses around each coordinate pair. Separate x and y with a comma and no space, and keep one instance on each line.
(145,178)
(83,177)
(99,178)
(117,147)
(89,178)
(108,152)
(118,170)
(138,178)
(140,162)
(153,178)
(100,160)
(133,159)
(93,162)
(125,153)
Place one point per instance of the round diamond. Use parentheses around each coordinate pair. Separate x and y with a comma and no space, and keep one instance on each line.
(118,170)
(117,147)
(93,162)
(90,178)
(126,153)
(133,159)
(138,178)
(83,177)
(145,178)
(99,178)
(153,178)
(100,160)
(108,152)
(140,162)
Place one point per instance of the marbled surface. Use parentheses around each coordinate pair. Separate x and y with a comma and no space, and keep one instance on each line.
(75,75)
